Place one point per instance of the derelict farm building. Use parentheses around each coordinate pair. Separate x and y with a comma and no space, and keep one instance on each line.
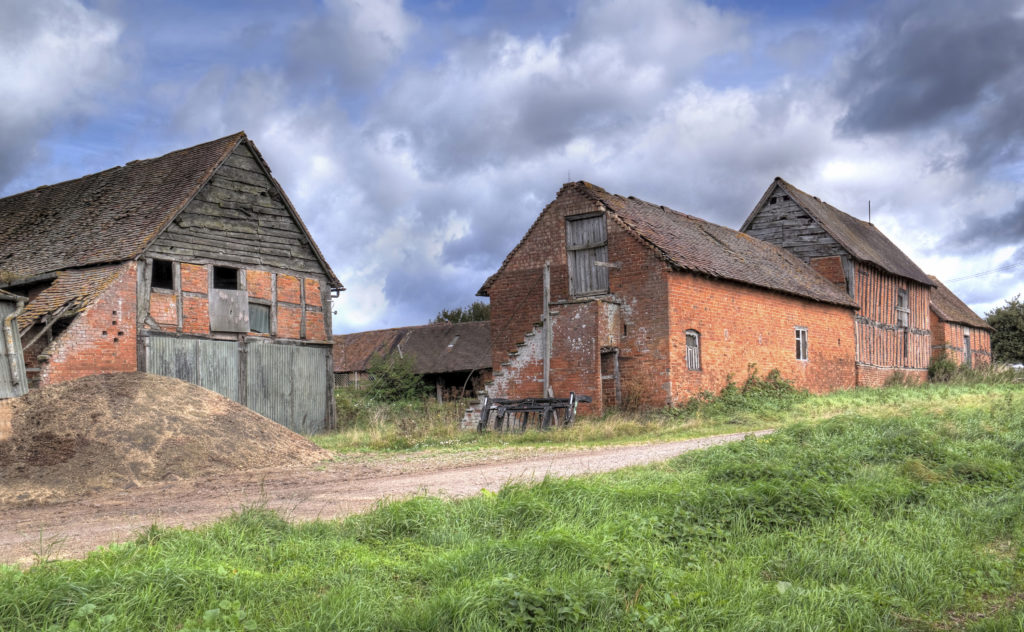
(653,306)
(193,265)
(892,293)
(454,359)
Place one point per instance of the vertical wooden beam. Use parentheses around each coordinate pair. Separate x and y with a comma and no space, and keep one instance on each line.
(302,307)
(273,305)
(546,319)
(178,301)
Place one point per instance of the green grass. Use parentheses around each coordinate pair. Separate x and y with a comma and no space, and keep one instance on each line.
(760,403)
(893,509)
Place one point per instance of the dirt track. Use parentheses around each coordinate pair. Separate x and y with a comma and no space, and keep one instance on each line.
(353,484)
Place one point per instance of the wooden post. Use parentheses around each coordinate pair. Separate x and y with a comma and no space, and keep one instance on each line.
(439,388)
(546,320)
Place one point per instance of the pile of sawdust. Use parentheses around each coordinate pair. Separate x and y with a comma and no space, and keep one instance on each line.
(120,431)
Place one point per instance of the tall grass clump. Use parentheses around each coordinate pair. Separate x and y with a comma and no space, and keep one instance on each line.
(850,520)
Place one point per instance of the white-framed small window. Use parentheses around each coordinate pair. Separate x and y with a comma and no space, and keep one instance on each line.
(801,342)
(692,350)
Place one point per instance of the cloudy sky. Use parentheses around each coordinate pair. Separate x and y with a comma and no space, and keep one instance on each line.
(420,139)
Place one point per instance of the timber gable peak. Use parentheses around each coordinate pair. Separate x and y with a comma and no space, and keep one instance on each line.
(275,190)
(861,240)
(116,215)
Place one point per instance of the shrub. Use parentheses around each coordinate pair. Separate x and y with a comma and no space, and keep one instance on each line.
(393,379)
(942,368)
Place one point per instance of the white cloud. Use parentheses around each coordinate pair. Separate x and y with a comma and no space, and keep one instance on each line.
(56,59)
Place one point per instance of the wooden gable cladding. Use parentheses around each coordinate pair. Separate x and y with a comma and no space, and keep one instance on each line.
(239,217)
(781,221)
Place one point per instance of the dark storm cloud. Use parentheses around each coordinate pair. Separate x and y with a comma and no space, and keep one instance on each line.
(981,232)
(930,59)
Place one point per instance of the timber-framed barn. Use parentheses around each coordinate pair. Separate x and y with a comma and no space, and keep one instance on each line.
(194,265)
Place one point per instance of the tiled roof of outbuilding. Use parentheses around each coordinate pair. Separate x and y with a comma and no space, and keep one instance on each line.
(951,309)
(861,239)
(437,348)
(75,288)
(692,244)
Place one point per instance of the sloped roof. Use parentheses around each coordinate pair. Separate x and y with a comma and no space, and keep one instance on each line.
(112,215)
(859,238)
(438,348)
(692,244)
(76,289)
(951,309)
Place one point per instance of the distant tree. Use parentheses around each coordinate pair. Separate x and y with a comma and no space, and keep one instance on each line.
(477,310)
(393,379)
(1008,337)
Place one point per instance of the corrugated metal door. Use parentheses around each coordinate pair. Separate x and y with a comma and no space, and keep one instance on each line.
(212,364)
(587,244)
(287,382)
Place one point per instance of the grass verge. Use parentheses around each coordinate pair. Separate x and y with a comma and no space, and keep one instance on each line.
(880,510)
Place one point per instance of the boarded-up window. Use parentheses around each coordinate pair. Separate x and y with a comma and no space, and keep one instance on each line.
(801,343)
(692,350)
(586,244)
(902,309)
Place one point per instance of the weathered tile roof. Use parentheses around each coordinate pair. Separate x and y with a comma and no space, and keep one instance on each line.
(692,244)
(112,215)
(75,288)
(951,309)
(438,348)
(861,239)
(103,217)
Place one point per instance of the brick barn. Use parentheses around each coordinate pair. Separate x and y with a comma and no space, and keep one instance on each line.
(454,359)
(893,295)
(956,330)
(649,305)
(193,265)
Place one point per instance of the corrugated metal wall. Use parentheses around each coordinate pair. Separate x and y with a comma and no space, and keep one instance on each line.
(287,383)
(17,384)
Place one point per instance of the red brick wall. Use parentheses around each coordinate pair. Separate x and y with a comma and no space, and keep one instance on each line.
(194,278)
(196,314)
(581,327)
(832,269)
(949,338)
(740,325)
(315,328)
(101,339)
(878,376)
(163,308)
(257,282)
(289,319)
(287,289)
(312,292)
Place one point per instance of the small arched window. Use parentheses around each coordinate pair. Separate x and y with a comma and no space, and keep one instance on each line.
(692,350)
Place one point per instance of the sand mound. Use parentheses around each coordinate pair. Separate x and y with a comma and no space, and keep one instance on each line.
(120,431)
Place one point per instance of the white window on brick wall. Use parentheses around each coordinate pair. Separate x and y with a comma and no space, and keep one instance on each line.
(692,350)
(801,343)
